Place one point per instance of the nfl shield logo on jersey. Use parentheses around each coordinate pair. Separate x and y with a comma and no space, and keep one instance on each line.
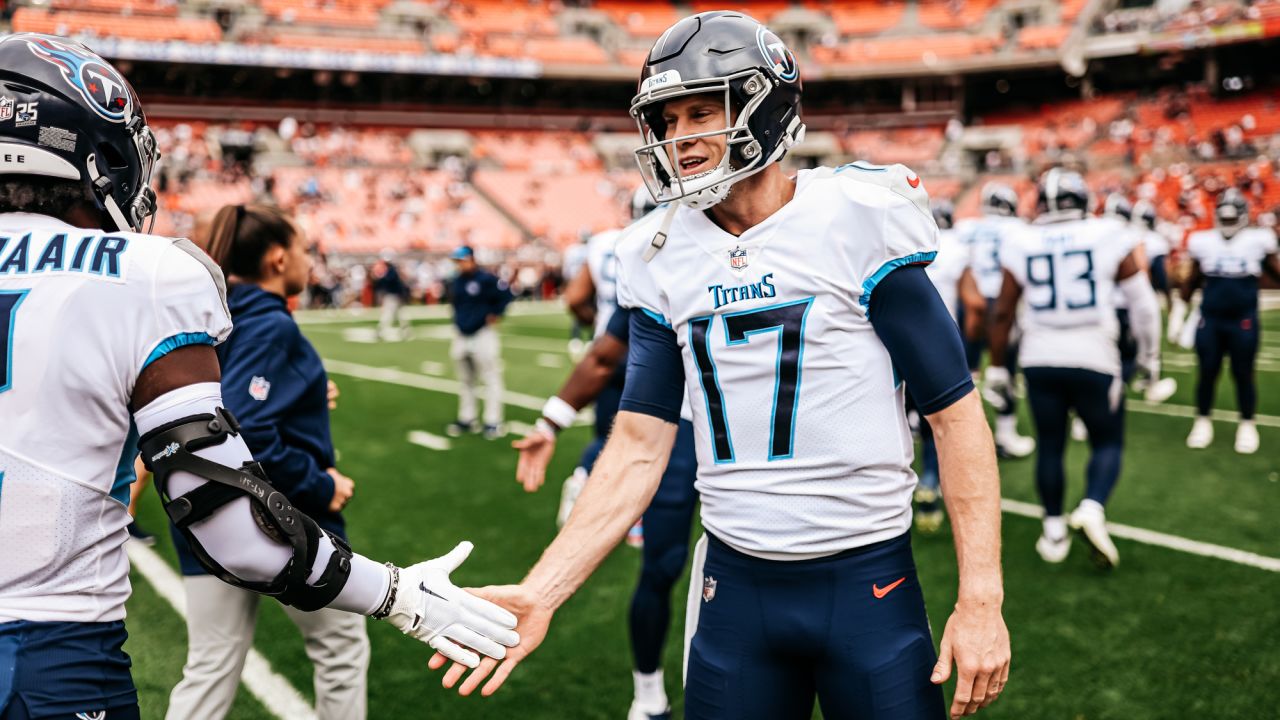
(708,588)
(259,388)
(6,108)
(737,258)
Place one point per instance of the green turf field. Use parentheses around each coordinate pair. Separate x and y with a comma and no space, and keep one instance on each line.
(1167,635)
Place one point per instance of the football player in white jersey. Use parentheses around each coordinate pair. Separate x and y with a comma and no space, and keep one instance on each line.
(1064,271)
(952,276)
(984,236)
(1226,263)
(792,310)
(106,348)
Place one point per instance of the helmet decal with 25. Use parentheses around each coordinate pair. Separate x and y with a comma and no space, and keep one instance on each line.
(754,75)
(82,122)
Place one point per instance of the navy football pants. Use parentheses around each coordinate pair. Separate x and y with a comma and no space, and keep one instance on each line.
(667,523)
(1238,338)
(65,670)
(1099,401)
(850,629)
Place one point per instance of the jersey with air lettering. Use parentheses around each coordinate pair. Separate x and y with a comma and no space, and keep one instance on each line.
(602,264)
(802,441)
(954,257)
(1067,271)
(985,235)
(82,312)
(1231,267)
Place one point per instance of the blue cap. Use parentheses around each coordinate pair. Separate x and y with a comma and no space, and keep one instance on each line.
(462,253)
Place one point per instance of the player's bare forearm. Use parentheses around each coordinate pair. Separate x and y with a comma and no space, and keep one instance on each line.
(1006,309)
(971,489)
(592,375)
(621,485)
(1190,282)
(975,306)
(580,296)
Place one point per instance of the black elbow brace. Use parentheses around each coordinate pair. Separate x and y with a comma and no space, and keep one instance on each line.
(171,448)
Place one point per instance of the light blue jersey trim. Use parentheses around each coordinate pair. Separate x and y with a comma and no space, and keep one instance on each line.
(920,258)
(177,341)
(656,317)
(124,469)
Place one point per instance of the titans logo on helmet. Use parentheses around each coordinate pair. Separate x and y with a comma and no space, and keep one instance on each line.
(103,88)
(777,55)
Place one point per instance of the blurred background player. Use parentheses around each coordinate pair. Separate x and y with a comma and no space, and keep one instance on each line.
(1227,262)
(116,330)
(273,382)
(984,236)
(572,266)
(391,292)
(1062,272)
(667,521)
(951,275)
(479,301)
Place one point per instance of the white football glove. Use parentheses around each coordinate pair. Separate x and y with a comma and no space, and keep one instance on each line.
(997,387)
(430,608)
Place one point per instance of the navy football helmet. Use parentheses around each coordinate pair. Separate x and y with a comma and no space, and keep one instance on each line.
(1117,205)
(1145,212)
(1063,191)
(999,199)
(1231,213)
(732,55)
(944,215)
(75,117)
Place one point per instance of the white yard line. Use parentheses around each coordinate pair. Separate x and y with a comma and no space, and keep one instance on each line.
(550,360)
(1159,539)
(1186,411)
(271,689)
(429,441)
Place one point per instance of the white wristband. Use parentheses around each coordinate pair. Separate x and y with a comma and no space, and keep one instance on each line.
(559,412)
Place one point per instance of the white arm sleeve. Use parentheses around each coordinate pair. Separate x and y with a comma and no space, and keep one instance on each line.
(230,535)
(1144,316)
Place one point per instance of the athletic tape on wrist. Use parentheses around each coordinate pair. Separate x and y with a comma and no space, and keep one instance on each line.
(559,412)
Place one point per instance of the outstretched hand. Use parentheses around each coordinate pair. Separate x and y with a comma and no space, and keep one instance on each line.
(533,621)
(536,450)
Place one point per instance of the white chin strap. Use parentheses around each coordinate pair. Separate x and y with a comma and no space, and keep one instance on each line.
(713,192)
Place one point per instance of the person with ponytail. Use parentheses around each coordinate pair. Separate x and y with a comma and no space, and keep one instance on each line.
(274,384)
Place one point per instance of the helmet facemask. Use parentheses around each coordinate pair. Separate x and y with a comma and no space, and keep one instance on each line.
(659,158)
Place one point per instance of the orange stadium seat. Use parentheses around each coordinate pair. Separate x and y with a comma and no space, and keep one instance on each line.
(1043,37)
(953,14)
(503,16)
(570,50)
(916,49)
(641,19)
(863,17)
(909,146)
(762,11)
(561,207)
(308,12)
(120,7)
(26,19)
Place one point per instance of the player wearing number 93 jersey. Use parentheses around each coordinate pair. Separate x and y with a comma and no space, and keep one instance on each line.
(1065,269)
(789,312)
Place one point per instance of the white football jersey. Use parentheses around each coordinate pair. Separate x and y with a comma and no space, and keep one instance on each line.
(1154,242)
(603,266)
(954,255)
(1067,271)
(1241,256)
(802,440)
(985,235)
(82,312)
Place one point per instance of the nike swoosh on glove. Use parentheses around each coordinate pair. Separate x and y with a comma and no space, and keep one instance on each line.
(430,608)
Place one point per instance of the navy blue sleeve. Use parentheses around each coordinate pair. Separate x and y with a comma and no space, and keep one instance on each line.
(922,339)
(619,325)
(655,370)
(499,296)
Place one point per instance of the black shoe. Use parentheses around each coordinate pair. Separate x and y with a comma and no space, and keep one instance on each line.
(142,536)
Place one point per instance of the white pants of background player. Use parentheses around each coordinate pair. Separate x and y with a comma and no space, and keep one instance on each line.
(478,357)
(220,624)
(391,324)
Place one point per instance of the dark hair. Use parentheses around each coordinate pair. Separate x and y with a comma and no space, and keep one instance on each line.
(241,235)
(44,195)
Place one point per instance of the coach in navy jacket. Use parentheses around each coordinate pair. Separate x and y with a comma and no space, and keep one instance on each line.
(274,384)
